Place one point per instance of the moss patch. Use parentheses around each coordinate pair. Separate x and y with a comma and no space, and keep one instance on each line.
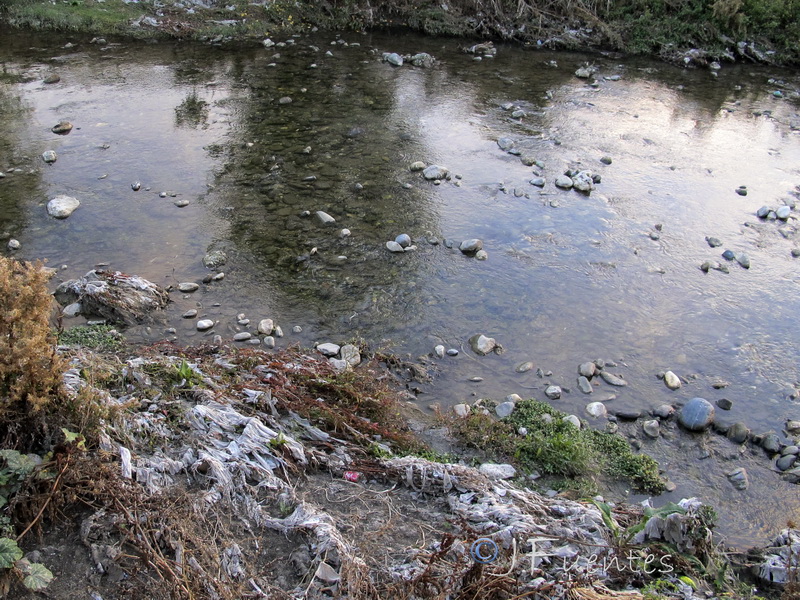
(94,337)
(556,447)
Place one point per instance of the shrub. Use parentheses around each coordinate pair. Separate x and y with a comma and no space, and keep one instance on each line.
(30,369)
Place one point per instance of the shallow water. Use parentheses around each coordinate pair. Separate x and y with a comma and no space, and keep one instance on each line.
(562,284)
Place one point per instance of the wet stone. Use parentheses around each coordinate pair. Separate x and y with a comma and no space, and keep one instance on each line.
(189,314)
(393,246)
(452,352)
(671,380)
(724,404)
(242,336)
(652,428)
(438,350)
(596,410)
(328,349)
(771,443)
(187,287)
(504,409)
(786,462)
(612,379)
(584,385)
(696,415)
(204,324)
(664,411)
(627,414)
(713,242)
(553,392)
(524,367)
(738,478)
(482,345)
(738,433)
(587,369)
(729,255)
(470,246)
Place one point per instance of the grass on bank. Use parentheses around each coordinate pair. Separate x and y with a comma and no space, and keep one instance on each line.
(554,447)
(638,26)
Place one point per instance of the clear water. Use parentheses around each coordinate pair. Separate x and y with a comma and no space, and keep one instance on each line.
(562,285)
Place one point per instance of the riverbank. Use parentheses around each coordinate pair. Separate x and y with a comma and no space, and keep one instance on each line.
(215,472)
(693,33)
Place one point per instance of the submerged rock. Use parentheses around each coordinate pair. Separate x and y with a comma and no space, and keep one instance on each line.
(481,344)
(738,478)
(62,206)
(612,379)
(671,380)
(115,296)
(434,173)
(471,246)
(214,259)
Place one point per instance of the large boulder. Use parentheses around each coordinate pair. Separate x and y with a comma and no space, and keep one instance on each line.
(120,298)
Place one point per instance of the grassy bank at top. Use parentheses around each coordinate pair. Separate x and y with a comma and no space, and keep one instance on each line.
(761,30)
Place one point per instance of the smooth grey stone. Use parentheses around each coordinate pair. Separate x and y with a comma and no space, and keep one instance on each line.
(564,182)
(606,160)
(524,367)
(792,476)
(783,212)
(538,181)
(481,344)
(243,336)
(587,369)
(266,326)
(553,392)
(470,246)
(652,428)
(434,173)
(417,166)
(297,329)
(729,255)
(452,352)
(72,310)
(762,212)
(393,246)
(505,143)
(62,206)
(49,156)
(187,287)
(627,414)
(403,239)
(584,385)
(724,404)
(611,379)
(771,443)
(741,190)
(790,450)
(596,410)
(504,409)
(738,478)
(738,433)
(713,242)
(269,341)
(204,324)
(481,255)
(325,218)
(795,252)
(784,463)
(664,411)
(574,420)
(190,314)
(743,260)
(438,350)
(671,380)
(328,349)
(393,58)
(696,415)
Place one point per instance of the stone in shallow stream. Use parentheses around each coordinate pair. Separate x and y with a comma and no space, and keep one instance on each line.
(697,414)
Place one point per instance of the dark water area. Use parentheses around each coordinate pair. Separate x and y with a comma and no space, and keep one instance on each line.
(569,277)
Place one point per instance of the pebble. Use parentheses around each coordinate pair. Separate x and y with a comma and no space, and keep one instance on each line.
(49,156)
(538,182)
(671,380)
(743,259)
(417,166)
(278,332)
(438,350)
(553,392)
(771,443)
(504,409)
(505,143)
(434,173)
(219,277)
(324,217)
(242,336)
(584,385)
(574,420)
(62,128)
(738,478)
(696,415)
(664,411)
(564,182)
(344,233)
(587,369)
(190,314)
(214,259)
(762,212)
(187,287)
(627,414)
(393,246)
(269,341)
(13,244)
(742,190)
(52,78)
(297,329)
(350,354)
(470,246)
(481,255)
(795,252)
(611,379)
(713,242)
(790,450)
(328,349)
(606,160)
(404,240)
(652,428)
(482,345)
(204,324)
(339,365)
(786,462)
(285,100)
(461,410)
(524,367)
(738,433)
(783,212)
(452,352)
(62,206)
(724,404)
(266,326)
(596,410)
(181,203)
(729,255)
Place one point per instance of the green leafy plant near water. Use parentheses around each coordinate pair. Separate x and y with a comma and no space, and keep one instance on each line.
(556,447)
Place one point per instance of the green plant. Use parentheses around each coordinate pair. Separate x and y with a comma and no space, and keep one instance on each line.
(96,337)
(34,576)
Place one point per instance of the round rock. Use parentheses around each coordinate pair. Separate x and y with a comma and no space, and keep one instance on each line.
(470,246)
(651,428)
(671,380)
(481,344)
(187,287)
(62,206)
(404,240)
(204,324)
(553,392)
(393,246)
(328,349)
(596,410)
(697,414)
(242,336)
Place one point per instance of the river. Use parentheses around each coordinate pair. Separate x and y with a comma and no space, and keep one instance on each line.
(569,277)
